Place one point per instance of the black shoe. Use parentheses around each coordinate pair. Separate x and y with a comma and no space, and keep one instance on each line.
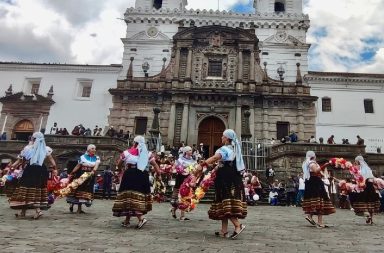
(236,234)
(71,209)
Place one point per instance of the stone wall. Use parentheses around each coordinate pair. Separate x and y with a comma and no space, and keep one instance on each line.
(287,159)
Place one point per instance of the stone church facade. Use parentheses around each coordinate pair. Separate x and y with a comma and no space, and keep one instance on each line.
(213,81)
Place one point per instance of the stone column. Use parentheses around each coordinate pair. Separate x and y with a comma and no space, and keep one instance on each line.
(300,124)
(252,67)
(177,63)
(171,125)
(240,66)
(184,124)
(41,122)
(4,124)
(189,64)
(252,122)
(265,125)
(238,120)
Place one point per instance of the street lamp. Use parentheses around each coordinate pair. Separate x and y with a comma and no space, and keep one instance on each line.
(145,68)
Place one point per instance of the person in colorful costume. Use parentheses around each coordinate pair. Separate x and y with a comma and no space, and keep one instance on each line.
(88,162)
(183,166)
(134,196)
(366,201)
(230,203)
(31,191)
(316,200)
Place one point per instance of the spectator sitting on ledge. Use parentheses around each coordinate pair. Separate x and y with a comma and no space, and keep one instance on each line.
(293,137)
(360,141)
(312,139)
(331,140)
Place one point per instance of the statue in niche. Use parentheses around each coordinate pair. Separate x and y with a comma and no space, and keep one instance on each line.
(224,70)
(204,70)
(216,40)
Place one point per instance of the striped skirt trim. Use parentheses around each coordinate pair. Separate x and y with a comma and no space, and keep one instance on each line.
(361,207)
(29,198)
(318,206)
(132,203)
(80,197)
(228,208)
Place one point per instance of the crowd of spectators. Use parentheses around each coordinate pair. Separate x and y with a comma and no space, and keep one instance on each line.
(80,130)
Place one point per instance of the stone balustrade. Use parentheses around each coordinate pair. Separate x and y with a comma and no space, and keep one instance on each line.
(285,158)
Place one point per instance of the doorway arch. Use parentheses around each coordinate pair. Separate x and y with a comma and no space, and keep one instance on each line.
(23,129)
(210,131)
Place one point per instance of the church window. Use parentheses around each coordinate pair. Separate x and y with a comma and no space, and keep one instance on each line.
(183,62)
(84,88)
(246,65)
(282,129)
(368,105)
(215,68)
(35,88)
(326,105)
(157,4)
(86,91)
(279,6)
(141,125)
(32,86)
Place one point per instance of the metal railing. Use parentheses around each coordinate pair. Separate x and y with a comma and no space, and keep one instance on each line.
(255,154)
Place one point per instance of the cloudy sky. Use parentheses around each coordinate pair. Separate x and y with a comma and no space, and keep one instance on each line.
(346,35)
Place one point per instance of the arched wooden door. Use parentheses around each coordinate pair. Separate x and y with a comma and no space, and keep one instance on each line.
(210,131)
(23,129)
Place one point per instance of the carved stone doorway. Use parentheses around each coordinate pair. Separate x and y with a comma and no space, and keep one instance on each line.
(23,130)
(210,131)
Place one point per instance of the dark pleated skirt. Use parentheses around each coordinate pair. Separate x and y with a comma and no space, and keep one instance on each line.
(134,196)
(31,190)
(84,194)
(316,200)
(230,199)
(366,201)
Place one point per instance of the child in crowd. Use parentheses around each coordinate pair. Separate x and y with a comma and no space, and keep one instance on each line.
(273,197)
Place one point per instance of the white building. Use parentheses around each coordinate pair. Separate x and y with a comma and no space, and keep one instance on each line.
(349,104)
(80,95)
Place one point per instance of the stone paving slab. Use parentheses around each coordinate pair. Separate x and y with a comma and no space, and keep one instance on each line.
(269,229)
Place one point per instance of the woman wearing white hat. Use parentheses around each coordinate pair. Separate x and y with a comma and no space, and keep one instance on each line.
(31,192)
(367,201)
(83,195)
(316,200)
(181,166)
(134,196)
(230,203)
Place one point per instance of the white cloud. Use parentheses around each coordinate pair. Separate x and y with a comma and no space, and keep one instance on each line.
(88,31)
(352,27)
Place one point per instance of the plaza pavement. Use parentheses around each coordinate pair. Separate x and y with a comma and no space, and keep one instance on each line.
(269,229)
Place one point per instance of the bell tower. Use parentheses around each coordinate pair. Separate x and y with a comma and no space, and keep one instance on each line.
(161,4)
(278,6)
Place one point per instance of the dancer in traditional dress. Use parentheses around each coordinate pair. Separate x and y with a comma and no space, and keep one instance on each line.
(88,162)
(31,191)
(181,166)
(366,202)
(316,200)
(134,196)
(230,203)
